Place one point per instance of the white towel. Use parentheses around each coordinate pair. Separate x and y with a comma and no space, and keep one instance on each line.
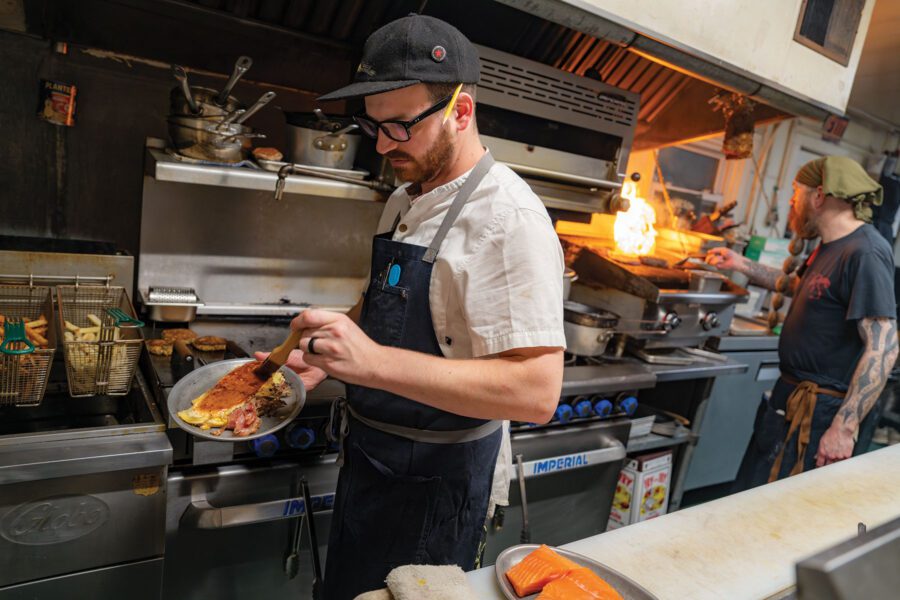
(429,582)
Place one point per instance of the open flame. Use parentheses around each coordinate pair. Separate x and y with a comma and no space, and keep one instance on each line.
(633,230)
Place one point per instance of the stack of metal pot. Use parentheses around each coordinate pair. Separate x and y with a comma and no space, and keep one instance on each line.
(206,124)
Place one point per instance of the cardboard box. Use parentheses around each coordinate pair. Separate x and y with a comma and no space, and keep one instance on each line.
(642,491)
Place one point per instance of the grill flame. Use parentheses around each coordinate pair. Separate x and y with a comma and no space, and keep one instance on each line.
(633,230)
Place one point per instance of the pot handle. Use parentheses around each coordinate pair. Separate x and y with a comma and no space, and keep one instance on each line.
(263,100)
(242,65)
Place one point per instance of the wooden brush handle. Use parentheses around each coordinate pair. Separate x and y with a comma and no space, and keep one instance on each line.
(280,354)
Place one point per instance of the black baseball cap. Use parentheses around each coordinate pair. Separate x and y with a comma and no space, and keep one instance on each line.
(413,49)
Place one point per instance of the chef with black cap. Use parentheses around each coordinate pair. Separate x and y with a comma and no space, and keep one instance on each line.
(459,330)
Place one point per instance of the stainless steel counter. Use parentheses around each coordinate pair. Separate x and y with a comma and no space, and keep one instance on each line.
(748,343)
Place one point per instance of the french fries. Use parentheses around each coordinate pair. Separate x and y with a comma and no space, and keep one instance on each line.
(88,333)
(35,330)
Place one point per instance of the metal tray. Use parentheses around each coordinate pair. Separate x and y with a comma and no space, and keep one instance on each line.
(514,555)
(204,378)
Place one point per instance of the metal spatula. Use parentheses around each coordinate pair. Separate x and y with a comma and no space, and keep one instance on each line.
(278,356)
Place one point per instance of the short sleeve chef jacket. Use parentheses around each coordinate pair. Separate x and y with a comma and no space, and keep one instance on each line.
(497,281)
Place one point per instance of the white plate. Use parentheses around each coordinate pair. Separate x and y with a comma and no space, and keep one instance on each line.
(204,378)
(514,555)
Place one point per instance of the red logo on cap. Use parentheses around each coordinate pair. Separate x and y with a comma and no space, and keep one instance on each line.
(438,53)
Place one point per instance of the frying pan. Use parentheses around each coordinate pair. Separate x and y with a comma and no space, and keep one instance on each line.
(204,378)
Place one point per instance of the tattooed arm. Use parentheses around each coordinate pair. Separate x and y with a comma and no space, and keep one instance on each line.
(759,274)
(881,347)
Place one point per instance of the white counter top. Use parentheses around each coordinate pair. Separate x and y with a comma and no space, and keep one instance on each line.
(745,545)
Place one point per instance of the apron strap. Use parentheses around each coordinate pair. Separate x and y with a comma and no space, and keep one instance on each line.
(478,172)
(339,426)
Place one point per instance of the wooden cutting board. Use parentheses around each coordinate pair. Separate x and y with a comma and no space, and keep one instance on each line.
(746,545)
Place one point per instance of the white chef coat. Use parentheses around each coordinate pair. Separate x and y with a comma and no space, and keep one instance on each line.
(497,281)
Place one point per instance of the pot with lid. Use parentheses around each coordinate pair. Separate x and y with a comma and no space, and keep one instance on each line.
(588,329)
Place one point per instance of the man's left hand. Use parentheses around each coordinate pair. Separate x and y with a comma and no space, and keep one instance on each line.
(341,348)
(836,445)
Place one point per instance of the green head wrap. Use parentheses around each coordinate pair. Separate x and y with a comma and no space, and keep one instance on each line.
(843,178)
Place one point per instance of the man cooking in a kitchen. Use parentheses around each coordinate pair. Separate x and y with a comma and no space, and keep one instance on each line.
(460,327)
(839,340)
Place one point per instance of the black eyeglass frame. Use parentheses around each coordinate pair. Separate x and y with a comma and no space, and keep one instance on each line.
(407,125)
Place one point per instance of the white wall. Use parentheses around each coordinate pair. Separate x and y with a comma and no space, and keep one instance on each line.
(756,36)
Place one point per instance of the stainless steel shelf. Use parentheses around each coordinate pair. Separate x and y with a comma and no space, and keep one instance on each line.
(614,377)
(654,441)
(698,370)
(163,167)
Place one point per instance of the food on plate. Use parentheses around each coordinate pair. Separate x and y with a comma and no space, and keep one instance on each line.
(267,153)
(209,343)
(159,347)
(35,330)
(237,401)
(579,584)
(537,570)
(173,335)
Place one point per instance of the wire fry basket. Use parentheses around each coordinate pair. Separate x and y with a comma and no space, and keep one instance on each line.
(100,357)
(23,377)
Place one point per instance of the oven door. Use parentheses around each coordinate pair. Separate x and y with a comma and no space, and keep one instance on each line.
(570,479)
(229,529)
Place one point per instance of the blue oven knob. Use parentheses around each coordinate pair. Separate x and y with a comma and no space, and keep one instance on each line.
(265,446)
(628,405)
(301,438)
(603,407)
(583,408)
(563,413)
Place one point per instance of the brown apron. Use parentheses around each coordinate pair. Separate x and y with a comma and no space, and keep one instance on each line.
(800,407)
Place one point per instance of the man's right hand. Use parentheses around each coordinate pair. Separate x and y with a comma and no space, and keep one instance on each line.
(726,259)
(309,375)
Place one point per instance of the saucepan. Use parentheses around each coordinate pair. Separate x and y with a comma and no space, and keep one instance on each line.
(320,141)
(588,329)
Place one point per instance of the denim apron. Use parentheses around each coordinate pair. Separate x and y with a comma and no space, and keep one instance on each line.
(415,482)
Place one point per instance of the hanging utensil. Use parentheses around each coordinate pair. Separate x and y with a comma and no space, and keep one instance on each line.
(313,543)
(181,76)
(240,67)
(525,536)
(292,558)
(263,100)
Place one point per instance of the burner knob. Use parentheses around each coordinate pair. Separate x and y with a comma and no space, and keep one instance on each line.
(671,321)
(583,407)
(628,405)
(603,407)
(300,437)
(710,321)
(265,446)
(563,413)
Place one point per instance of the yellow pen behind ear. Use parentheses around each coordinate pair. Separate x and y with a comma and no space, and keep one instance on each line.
(451,104)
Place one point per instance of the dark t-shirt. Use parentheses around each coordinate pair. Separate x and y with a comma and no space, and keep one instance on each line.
(845,280)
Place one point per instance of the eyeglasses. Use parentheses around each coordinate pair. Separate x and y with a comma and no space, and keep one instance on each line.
(395,129)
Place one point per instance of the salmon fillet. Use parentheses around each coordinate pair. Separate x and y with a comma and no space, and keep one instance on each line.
(537,570)
(579,584)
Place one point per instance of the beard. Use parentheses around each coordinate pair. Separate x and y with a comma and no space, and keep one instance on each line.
(801,221)
(426,168)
